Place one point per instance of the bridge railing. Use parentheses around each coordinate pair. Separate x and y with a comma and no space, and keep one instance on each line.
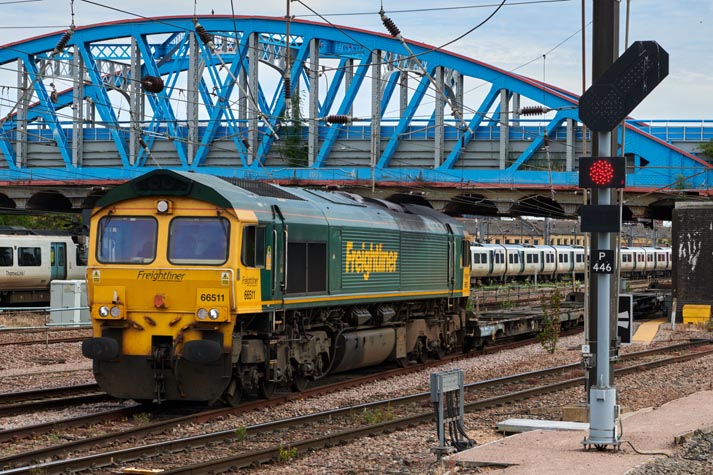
(677,130)
(521,130)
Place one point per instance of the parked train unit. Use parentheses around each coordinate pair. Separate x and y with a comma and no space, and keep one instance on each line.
(491,263)
(200,289)
(30,262)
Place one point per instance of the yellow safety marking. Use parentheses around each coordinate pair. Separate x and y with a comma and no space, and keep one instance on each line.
(647,331)
(292,300)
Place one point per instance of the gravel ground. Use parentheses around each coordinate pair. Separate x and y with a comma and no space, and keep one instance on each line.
(409,451)
(694,457)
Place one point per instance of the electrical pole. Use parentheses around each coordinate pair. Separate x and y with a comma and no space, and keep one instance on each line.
(619,84)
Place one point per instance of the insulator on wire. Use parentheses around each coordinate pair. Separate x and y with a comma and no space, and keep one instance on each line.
(389,24)
(143,144)
(62,43)
(534,110)
(152,84)
(246,144)
(205,37)
(338,119)
(288,87)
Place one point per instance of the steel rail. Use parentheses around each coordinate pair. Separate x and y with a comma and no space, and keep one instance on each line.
(242,460)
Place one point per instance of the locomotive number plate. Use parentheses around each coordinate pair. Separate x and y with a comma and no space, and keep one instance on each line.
(218,296)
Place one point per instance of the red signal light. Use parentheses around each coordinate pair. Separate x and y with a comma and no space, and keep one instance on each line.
(602,172)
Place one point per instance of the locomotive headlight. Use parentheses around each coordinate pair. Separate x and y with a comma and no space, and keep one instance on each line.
(163,206)
(109,312)
(202,314)
(214,314)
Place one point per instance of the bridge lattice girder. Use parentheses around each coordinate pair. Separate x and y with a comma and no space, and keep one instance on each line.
(436,117)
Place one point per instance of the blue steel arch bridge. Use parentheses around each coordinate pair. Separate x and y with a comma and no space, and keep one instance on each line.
(239,97)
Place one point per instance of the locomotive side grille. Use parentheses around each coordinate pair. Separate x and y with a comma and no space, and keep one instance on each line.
(263,189)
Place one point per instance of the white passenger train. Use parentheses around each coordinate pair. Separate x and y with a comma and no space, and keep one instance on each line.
(29,263)
(505,262)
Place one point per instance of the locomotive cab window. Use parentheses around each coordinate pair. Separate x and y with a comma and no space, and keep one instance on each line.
(126,240)
(198,241)
(253,254)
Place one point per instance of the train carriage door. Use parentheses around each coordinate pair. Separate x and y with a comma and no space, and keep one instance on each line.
(453,261)
(276,261)
(541,267)
(58,261)
(521,256)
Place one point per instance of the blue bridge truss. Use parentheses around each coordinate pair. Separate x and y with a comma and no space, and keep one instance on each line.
(238,97)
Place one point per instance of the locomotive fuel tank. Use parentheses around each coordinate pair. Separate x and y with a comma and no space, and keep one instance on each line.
(362,348)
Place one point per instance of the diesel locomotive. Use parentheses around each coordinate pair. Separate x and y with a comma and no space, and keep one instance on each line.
(201,289)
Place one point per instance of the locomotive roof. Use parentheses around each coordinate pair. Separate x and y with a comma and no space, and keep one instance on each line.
(238,193)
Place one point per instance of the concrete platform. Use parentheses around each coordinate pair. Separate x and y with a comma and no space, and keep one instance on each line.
(514,426)
(547,451)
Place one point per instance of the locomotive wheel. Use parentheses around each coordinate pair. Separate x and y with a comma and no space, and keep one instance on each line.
(233,394)
(234,400)
(420,351)
(266,389)
(299,383)
(402,362)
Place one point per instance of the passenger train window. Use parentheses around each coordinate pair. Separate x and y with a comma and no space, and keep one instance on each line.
(198,241)
(29,256)
(6,257)
(126,240)
(253,254)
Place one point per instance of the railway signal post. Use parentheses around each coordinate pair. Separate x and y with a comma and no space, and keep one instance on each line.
(618,87)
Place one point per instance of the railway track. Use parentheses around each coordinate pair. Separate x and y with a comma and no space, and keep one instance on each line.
(485,299)
(44,341)
(42,399)
(244,446)
(29,402)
